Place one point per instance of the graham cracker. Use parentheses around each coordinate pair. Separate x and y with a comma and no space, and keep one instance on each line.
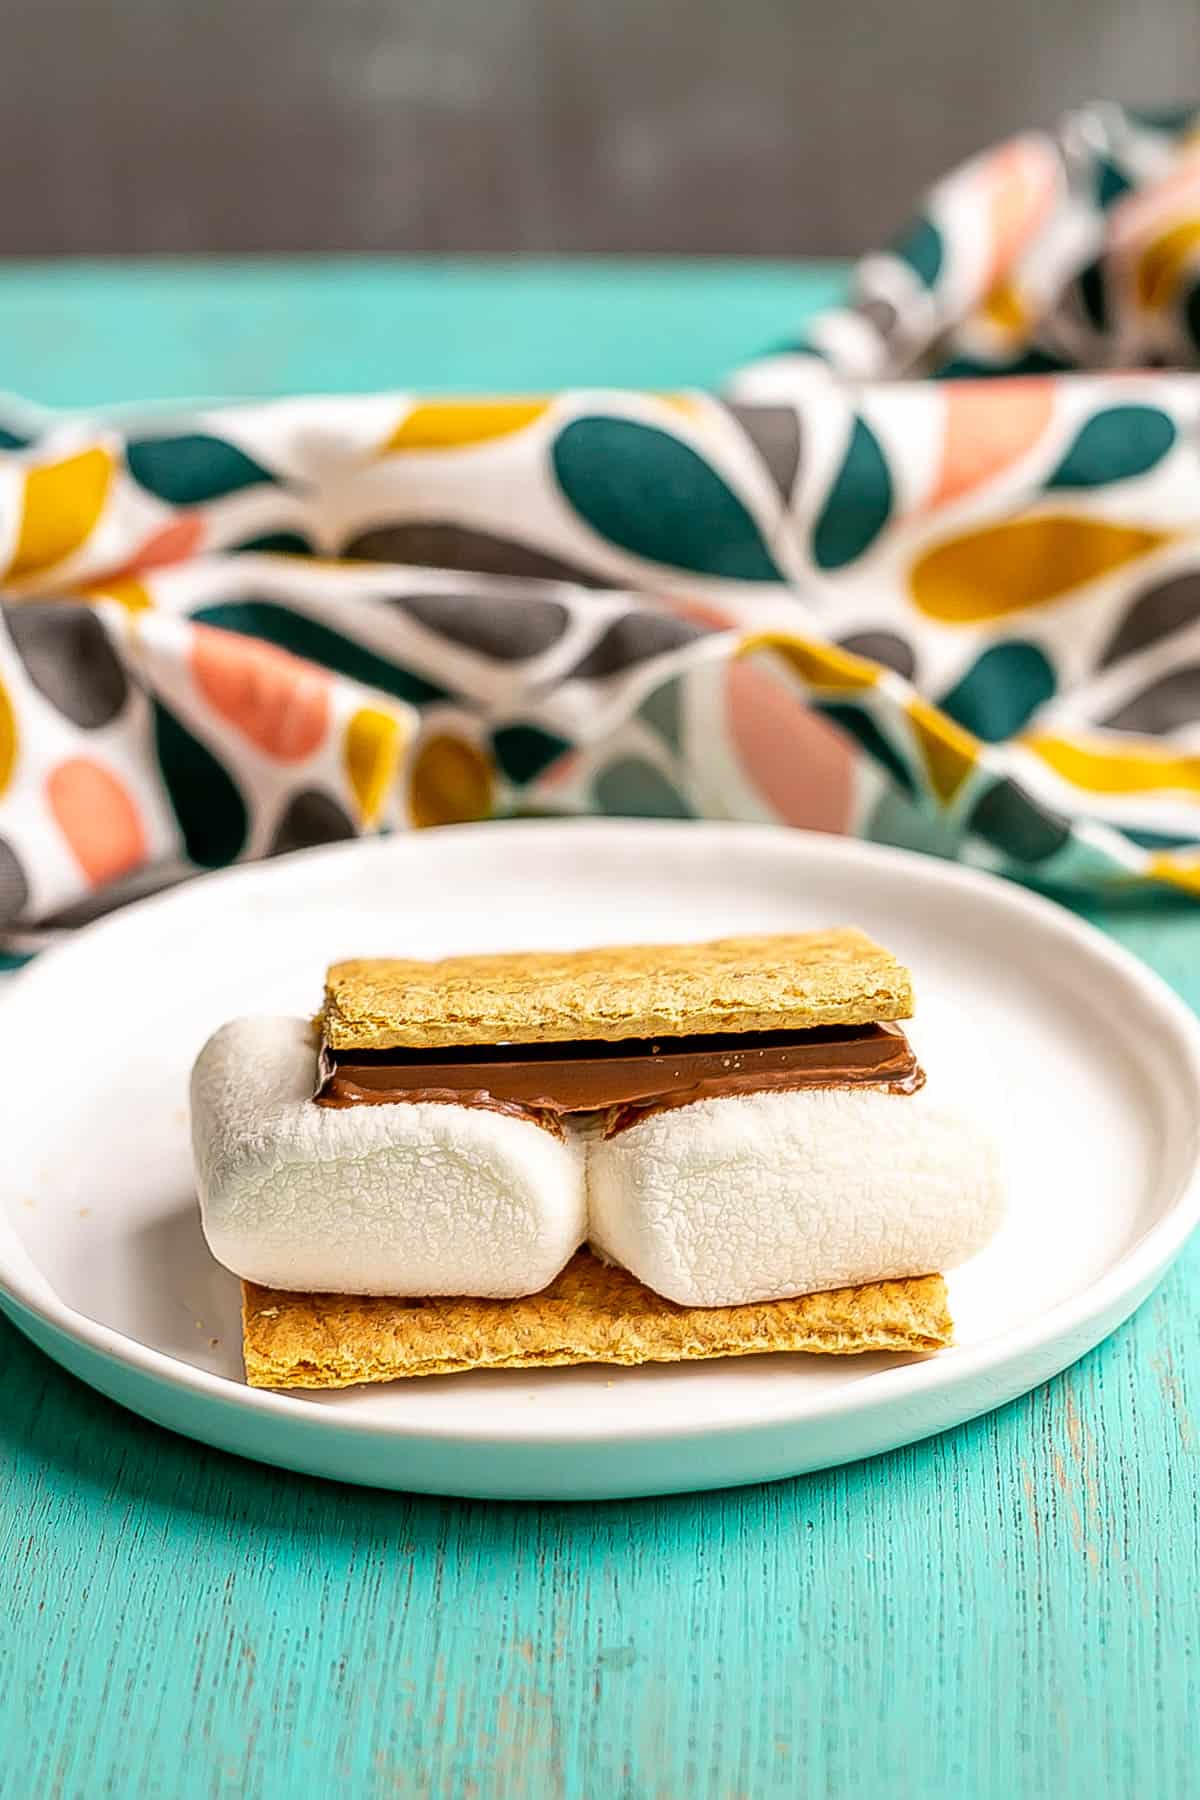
(592,1313)
(787,981)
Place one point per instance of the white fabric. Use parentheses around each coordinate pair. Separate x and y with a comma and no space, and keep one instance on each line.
(407,1200)
(765,1196)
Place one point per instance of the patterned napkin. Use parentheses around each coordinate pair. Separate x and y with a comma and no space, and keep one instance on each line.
(961,614)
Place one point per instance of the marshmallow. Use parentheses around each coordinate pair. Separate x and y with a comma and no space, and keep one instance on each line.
(726,1201)
(766,1196)
(409,1200)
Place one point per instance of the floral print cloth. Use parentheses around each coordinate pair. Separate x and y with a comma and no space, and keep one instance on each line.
(928,573)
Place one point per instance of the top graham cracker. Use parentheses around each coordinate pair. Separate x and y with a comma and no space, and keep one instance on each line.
(777,983)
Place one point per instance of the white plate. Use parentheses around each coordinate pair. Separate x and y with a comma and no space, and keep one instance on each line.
(1085,1062)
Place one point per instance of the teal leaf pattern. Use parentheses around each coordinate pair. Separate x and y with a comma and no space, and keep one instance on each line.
(922,249)
(193,468)
(275,543)
(798,346)
(1031,361)
(1174,120)
(303,636)
(1115,445)
(1111,183)
(860,726)
(1002,689)
(524,751)
(206,801)
(652,495)
(1157,840)
(1009,818)
(857,506)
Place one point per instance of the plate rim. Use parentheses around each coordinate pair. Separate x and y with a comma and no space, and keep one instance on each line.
(927,1380)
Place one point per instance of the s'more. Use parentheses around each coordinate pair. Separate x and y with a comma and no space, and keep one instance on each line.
(630,1154)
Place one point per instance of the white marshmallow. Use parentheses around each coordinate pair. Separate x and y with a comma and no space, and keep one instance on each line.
(765,1196)
(739,1199)
(417,1199)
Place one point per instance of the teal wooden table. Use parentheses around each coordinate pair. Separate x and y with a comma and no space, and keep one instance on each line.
(1009,1610)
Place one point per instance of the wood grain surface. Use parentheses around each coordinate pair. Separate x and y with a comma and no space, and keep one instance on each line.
(1009,1610)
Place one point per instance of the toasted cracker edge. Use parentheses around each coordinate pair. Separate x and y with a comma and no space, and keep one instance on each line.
(591,1313)
(765,983)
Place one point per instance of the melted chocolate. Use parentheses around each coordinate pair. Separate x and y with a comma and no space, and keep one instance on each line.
(624,1078)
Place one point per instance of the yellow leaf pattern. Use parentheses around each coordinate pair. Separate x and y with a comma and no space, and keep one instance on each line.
(451,782)
(1102,769)
(372,754)
(949,751)
(820,665)
(8,739)
(59,508)
(1022,563)
(455,424)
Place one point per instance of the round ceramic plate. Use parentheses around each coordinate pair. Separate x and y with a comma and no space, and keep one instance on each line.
(1083,1062)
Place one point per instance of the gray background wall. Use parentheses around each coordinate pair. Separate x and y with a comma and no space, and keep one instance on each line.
(771,126)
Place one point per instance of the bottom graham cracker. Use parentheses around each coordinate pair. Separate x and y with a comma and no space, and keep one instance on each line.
(591,1313)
